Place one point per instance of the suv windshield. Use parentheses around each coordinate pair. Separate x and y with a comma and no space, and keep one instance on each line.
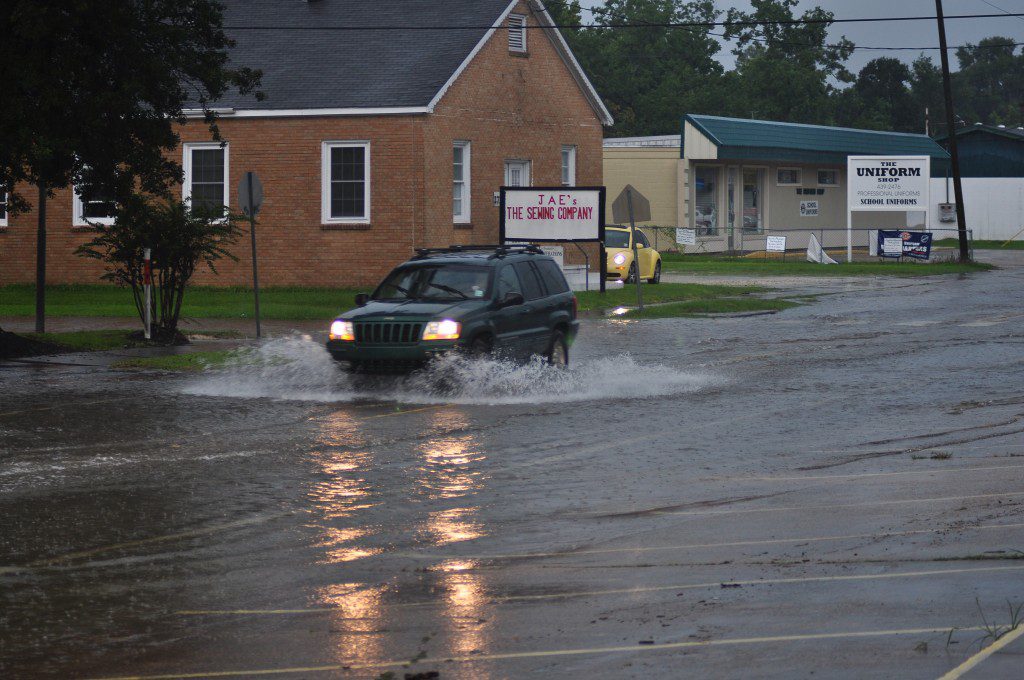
(435,282)
(616,239)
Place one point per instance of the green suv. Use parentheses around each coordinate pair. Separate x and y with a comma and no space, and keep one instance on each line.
(510,301)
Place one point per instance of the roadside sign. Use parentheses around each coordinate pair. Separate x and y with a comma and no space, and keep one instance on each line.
(552,214)
(891,247)
(641,206)
(893,183)
(250,201)
(686,237)
(776,244)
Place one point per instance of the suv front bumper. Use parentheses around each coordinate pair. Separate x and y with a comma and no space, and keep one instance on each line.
(422,351)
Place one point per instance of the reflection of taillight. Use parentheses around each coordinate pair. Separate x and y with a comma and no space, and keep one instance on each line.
(575,306)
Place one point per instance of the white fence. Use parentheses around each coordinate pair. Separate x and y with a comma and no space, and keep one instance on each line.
(994,205)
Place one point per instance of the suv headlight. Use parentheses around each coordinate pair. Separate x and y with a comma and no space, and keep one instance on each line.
(445,329)
(342,330)
(619,258)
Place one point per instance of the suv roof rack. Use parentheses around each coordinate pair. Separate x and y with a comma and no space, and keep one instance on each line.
(499,250)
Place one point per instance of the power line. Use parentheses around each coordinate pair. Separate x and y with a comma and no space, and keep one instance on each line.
(665,24)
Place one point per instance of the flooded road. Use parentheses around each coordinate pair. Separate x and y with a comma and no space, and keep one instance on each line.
(830,491)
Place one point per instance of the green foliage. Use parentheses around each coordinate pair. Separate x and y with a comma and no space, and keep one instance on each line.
(94,88)
(179,238)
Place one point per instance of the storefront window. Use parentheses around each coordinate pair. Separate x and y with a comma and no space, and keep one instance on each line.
(705,203)
(753,201)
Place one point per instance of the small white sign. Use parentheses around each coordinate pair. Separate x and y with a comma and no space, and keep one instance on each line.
(556,252)
(686,237)
(892,246)
(808,208)
(776,244)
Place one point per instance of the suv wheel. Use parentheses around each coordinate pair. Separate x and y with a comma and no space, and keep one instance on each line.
(657,273)
(480,347)
(558,352)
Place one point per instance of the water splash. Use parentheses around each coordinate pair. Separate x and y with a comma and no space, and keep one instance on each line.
(297,368)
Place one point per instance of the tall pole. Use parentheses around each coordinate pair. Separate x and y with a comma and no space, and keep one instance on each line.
(252,234)
(958,190)
(636,255)
(41,261)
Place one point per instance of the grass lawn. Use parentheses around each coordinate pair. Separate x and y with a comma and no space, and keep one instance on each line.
(200,302)
(193,361)
(797,266)
(982,244)
(663,292)
(709,306)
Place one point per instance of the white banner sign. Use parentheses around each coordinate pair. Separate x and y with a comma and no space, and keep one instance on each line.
(892,246)
(776,244)
(686,237)
(551,214)
(808,208)
(895,183)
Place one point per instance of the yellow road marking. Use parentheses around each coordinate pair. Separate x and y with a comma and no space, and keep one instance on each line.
(868,474)
(636,590)
(688,546)
(937,499)
(689,644)
(973,661)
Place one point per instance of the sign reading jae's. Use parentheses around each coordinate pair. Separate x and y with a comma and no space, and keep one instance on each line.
(896,183)
(552,214)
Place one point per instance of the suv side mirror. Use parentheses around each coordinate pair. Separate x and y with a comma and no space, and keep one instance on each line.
(362,299)
(512,298)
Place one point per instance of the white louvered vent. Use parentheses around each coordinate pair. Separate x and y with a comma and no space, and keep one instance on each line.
(516,33)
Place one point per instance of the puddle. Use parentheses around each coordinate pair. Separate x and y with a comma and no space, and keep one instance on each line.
(297,368)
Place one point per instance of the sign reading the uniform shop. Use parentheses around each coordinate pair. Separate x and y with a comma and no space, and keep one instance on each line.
(894,183)
(776,244)
(686,237)
(808,208)
(552,213)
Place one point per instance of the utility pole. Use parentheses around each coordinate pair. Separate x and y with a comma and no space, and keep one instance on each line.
(958,190)
(41,260)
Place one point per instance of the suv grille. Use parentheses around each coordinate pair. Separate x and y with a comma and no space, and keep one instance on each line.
(386,333)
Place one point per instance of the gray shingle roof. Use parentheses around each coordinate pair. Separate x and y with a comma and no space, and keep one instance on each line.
(312,69)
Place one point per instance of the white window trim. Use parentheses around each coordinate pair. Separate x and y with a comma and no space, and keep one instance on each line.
(186,187)
(467,177)
(325,182)
(517,22)
(529,168)
(7,208)
(817,176)
(797,183)
(78,218)
(572,164)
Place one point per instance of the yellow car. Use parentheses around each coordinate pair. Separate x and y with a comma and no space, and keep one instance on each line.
(619,251)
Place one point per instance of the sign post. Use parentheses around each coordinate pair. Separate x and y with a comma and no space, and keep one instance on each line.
(147,285)
(633,206)
(250,198)
(885,184)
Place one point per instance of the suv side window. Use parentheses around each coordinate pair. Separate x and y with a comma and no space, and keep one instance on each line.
(641,238)
(554,281)
(531,284)
(508,282)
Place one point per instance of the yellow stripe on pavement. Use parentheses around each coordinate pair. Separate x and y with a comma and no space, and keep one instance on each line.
(973,661)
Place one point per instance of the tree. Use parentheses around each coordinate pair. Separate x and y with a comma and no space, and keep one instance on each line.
(885,99)
(179,238)
(785,71)
(93,90)
(650,76)
(990,83)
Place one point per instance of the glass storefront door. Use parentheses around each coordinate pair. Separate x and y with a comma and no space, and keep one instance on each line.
(753,200)
(705,200)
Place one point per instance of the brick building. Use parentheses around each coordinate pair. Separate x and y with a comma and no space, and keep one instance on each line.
(370,143)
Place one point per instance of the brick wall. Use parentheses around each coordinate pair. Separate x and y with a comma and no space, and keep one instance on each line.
(510,106)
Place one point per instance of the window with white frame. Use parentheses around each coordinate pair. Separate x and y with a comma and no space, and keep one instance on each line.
(206,176)
(828,178)
(100,208)
(345,187)
(568,166)
(3,206)
(788,177)
(516,33)
(460,182)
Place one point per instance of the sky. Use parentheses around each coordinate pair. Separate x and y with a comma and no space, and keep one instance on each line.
(901,33)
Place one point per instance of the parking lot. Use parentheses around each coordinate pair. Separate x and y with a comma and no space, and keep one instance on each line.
(832,491)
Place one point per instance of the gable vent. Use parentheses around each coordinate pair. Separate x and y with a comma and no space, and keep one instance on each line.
(516,33)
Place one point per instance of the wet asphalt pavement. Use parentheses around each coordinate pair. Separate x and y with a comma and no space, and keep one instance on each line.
(824,492)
